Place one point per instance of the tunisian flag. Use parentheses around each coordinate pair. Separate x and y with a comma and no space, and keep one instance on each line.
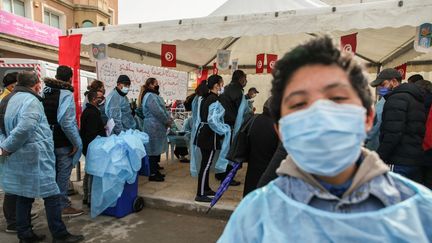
(260,63)
(215,69)
(271,60)
(69,55)
(349,43)
(168,55)
(202,76)
(402,70)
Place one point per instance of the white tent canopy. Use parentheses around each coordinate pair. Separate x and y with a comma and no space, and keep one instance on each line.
(240,7)
(386,31)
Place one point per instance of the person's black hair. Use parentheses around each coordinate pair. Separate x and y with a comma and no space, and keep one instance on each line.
(202,89)
(64,73)
(414,78)
(322,51)
(266,107)
(95,85)
(10,78)
(27,79)
(213,80)
(425,85)
(91,95)
(237,75)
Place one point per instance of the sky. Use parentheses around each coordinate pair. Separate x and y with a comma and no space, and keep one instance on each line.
(140,11)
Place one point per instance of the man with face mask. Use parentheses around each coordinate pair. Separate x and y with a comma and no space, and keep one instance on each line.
(329,188)
(403,127)
(385,82)
(91,127)
(29,166)
(117,106)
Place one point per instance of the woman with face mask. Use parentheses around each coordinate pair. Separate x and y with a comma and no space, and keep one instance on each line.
(329,188)
(96,86)
(156,122)
(207,140)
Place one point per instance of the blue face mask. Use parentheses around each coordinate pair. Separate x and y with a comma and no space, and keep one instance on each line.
(382,91)
(326,138)
(125,90)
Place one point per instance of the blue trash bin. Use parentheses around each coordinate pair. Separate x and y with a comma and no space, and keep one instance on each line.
(129,202)
(145,166)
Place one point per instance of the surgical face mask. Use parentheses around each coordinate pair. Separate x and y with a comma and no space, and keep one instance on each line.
(326,138)
(101,101)
(221,91)
(382,91)
(125,90)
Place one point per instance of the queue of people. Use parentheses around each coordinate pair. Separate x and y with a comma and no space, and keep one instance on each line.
(318,162)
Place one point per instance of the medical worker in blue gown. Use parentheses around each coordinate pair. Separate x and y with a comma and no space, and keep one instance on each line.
(117,106)
(28,160)
(329,188)
(156,122)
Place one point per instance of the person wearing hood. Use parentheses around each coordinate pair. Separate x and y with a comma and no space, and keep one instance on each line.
(28,160)
(156,122)
(263,142)
(9,82)
(329,188)
(402,129)
(59,107)
(117,106)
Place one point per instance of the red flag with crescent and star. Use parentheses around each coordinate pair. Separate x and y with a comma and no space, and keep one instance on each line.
(260,63)
(402,70)
(168,55)
(349,43)
(271,60)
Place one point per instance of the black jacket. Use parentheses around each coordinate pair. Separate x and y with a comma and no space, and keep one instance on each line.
(91,126)
(263,142)
(231,99)
(275,162)
(207,139)
(403,126)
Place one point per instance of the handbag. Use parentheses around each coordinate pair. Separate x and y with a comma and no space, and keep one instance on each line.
(239,149)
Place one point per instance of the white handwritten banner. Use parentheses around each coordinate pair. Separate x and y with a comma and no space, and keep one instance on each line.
(173,84)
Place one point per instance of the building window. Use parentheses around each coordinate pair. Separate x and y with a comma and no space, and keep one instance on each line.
(52,19)
(87,23)
(14,6)
(111,17)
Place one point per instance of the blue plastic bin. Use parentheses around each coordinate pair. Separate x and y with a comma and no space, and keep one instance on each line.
(127,203)
(145,167)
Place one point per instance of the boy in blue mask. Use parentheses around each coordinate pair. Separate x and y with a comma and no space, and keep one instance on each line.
(329,188)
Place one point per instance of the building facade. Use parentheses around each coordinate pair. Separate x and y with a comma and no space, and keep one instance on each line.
(59,15)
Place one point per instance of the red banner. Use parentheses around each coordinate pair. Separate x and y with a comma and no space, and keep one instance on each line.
(69,55)
(202,76)
(260,63)
(349,43)
(402,70)
(168,55)
(271,61)
(215,69)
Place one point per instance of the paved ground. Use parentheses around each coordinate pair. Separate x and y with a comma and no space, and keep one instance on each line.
(149,225)
(180,220)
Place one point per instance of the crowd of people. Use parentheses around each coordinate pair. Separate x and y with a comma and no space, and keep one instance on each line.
(321,147)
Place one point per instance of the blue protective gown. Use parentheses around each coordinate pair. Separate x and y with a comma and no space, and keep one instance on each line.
(222,162)
(216,123)
(30,169)
(113,161)
(117,108)
(269,215)
(195,152)
(156,118)
(66,117)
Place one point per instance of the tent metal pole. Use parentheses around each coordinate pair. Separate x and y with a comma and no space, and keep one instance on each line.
(399,52)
